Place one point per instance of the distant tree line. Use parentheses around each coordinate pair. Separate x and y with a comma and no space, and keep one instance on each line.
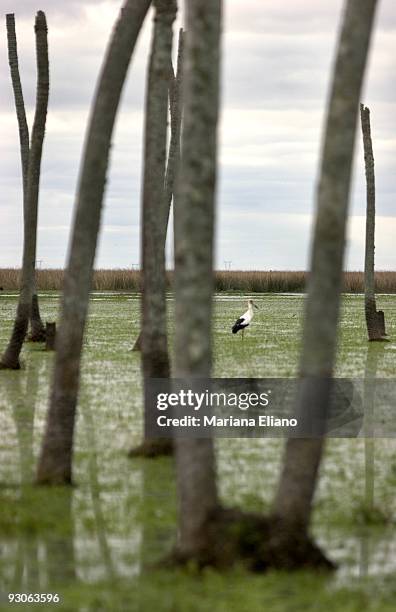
(239,281)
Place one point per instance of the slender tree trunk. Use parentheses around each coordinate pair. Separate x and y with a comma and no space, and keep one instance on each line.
(194,227)
(293,503)
(175,103)
(369,278)
(37,332)
(37,329)
(375,320)
(155,356)
(176,109)
(55,464)
(34,169)
(155,212)
(10,358)
(19,101)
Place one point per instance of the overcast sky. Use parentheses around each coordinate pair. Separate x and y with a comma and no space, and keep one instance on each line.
(277,58)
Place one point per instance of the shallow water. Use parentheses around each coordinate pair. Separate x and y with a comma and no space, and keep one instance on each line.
(122,513)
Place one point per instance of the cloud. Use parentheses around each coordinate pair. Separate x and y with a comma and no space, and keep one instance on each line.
(277,59)
(71,9)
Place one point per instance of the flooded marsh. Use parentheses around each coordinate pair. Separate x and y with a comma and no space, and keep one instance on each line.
(92,544)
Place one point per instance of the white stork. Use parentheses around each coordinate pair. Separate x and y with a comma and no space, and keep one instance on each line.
(245,320)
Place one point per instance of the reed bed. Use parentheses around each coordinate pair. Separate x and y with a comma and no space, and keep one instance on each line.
(233,280)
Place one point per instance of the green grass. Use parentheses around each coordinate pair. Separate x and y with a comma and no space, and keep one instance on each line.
(89,544)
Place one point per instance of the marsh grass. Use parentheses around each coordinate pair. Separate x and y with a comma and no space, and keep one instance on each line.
(254,281)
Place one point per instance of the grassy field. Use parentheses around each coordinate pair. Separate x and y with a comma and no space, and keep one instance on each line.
(90,544)
(256,281)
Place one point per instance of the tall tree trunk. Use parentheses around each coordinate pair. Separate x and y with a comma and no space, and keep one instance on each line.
(155,211)
(10,358)
(19,101)
(293,502)
(176,109)
(154,337)
(55,464)
(375,320)
(175,103)
(194,229)
(37,327)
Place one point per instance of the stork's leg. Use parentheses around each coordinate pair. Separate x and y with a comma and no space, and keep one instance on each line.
(243,331)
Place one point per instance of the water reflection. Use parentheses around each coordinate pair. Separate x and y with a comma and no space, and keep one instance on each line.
(20,394)
(41,552)
(40,557)
(374,353)
(158,533)
(121,517)
(60,561)
(377,547)
(95,492)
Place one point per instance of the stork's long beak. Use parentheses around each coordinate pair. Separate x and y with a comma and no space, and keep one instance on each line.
(255,305)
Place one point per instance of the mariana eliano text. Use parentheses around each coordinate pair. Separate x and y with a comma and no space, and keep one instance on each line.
(230,421)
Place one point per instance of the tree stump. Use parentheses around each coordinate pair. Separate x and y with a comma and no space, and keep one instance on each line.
(381,322)
(376,325)
(138,344)
(37,329)
(50,336)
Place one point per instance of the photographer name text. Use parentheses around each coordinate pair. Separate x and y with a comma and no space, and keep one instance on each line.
(262,420)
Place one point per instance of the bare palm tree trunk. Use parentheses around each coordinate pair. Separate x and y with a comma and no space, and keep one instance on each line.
(55,464)
(154,337)
(375,320)
(293,502)
(10,358)
(155,210)
(19,101)
(34,168)
(176,109)
(37,331)
(175,103)
(194,229)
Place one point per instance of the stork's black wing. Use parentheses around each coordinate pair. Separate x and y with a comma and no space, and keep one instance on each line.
(239,324)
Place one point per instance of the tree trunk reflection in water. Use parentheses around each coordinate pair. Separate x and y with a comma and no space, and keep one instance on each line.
(94,486)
